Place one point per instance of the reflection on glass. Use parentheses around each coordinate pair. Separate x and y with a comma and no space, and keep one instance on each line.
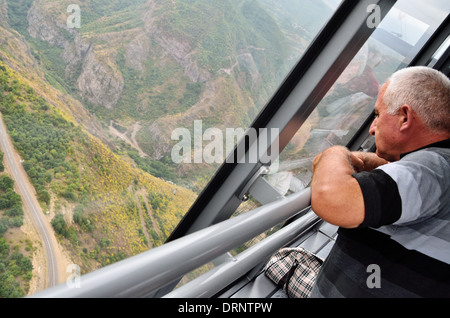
(338,116)
(404,26)
(351,100)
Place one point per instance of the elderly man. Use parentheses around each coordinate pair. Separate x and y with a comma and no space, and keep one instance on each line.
(392,207)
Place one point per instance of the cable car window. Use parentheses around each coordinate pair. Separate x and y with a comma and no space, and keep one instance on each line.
(124,94)
(351,100)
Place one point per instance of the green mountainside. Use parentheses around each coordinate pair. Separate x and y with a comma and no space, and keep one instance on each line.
(102,207)
(144,68)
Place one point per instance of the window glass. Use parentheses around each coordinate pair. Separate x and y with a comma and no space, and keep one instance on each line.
(117,106)
(351,100)
(295,22)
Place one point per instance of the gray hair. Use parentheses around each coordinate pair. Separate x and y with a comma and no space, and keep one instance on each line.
(426,90)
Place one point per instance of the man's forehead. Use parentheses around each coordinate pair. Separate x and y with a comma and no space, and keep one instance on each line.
(383,89)
(380,102)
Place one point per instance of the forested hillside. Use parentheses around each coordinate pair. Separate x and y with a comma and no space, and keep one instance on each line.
(15,249)
(103,207)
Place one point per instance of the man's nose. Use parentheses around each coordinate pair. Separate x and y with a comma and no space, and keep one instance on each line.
(373,127)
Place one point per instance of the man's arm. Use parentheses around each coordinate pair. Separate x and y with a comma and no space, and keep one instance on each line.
(336,195)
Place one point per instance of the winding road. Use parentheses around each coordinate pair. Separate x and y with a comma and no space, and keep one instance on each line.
(30,205)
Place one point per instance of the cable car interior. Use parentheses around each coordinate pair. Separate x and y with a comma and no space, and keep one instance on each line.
(250,209)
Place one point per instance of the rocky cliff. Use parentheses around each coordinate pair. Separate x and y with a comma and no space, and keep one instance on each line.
(157,63)
(98,82)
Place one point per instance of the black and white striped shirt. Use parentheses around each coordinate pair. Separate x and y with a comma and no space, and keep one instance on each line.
(405,234)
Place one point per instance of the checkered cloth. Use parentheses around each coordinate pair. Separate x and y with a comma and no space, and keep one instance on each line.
(294,270)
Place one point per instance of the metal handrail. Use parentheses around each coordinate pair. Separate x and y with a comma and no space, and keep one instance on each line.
(214,281)
(143,274)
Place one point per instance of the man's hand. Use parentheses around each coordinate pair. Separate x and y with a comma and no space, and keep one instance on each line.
(365,161)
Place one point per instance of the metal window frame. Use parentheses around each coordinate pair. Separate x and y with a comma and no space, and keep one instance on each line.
(424,57)
(337,44)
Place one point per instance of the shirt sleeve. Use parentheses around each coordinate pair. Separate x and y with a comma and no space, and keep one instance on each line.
(405,192)
(382,201)
(422,181)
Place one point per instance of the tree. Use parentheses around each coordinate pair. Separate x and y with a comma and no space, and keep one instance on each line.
(59,225)
(2,167)
(23,264)
(9,199)
(9,288)
(44,196)
(4,248)
(3,226)
(6,182)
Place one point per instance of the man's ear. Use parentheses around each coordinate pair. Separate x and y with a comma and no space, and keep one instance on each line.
(406,117)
